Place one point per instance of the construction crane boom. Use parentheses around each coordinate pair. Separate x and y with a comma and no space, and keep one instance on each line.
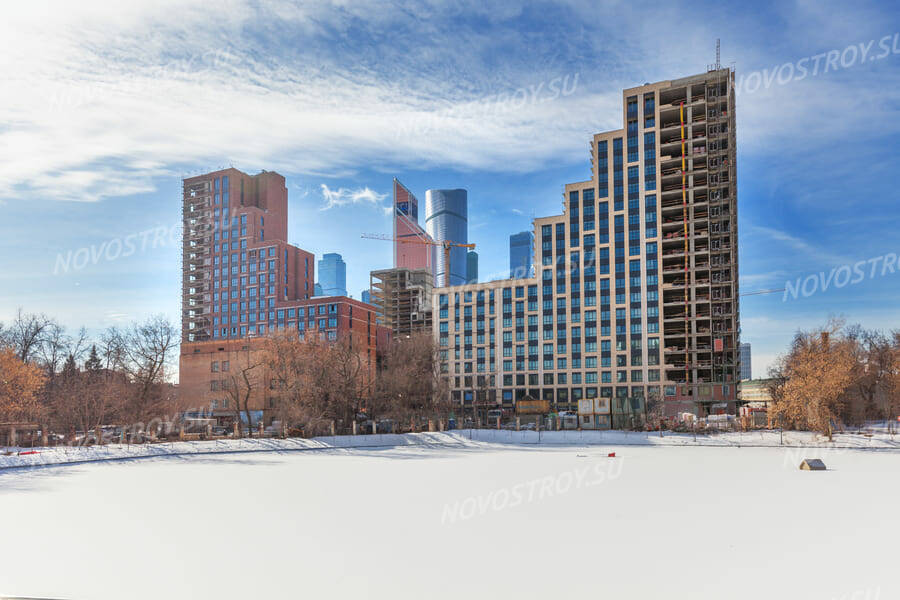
(759,292)
(446,245)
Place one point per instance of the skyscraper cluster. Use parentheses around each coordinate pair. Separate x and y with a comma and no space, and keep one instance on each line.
(627,299)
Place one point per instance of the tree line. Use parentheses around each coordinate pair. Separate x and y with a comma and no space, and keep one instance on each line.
(316,384)
(831,377)
(68,383)
(836,376)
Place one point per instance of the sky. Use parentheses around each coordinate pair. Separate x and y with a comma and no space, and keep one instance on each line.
(104,108)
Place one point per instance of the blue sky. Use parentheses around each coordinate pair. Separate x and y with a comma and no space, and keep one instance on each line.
(104,108)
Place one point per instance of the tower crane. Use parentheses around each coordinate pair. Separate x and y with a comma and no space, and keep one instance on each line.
(446,245)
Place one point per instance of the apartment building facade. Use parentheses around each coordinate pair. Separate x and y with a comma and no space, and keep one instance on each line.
(635,295)
(242,281)
(209,369)
(237,266)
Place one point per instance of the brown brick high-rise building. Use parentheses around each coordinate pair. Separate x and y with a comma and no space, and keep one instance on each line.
(237,264)
(243,281)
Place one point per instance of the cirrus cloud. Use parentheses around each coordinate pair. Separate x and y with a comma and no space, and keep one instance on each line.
(345,197)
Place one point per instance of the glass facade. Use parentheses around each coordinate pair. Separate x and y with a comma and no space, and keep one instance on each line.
(333,275)
(521,248)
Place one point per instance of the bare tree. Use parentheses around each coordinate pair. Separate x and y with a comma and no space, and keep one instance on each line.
(56,346)
(289,364)
(410,385)
(86,399)
(890,404)
(27,333)
(317,381)
(240,385)
(143,352)
(351,379)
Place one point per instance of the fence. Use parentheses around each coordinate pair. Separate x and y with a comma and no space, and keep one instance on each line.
(463,439)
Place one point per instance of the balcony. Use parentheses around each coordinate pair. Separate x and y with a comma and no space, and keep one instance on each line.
(674,285)
(675,316)
(674,269)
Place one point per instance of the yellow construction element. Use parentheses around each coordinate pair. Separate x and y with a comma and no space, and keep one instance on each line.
(687,275)
(445,245)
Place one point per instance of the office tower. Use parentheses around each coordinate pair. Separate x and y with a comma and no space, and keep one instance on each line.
(521,248)
(242,281)
(317,290)
(333,275)
(636,291)
(409,250)
(365,296)
(471,266)
(446,220)
(746,363)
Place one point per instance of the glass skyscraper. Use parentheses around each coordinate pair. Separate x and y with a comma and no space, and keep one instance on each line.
(746,362)
(333,275)
(521,246)
(409,250)
(446,219)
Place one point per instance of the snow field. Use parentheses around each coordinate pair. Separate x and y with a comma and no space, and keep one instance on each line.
(680,522)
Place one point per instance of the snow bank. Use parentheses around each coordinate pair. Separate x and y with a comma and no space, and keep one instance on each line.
(472,438)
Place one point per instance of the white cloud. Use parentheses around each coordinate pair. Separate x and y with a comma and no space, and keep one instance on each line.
(99,100)
(344,197)
(106,99)
(754,279)
(800,245)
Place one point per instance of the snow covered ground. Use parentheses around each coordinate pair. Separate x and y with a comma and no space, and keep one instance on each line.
(455,518)
(27,457)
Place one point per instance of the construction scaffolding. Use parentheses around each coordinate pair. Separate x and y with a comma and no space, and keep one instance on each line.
(196,261)
(698,202)
(403,298)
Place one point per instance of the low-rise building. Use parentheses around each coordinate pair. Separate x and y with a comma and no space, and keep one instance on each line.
(755,393)
(208,370)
